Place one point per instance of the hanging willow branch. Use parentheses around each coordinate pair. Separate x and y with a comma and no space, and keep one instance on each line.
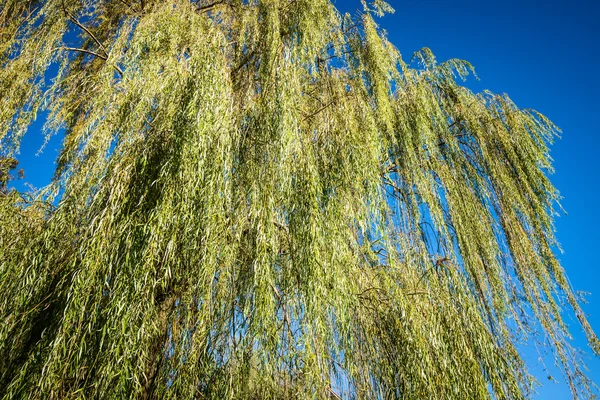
(268,202)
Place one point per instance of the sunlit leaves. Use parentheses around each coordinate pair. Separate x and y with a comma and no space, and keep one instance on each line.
(263,200)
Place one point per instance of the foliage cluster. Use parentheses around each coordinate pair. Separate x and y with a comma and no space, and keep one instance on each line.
(262,199)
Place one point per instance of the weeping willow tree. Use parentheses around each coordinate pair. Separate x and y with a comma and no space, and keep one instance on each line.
(262,199)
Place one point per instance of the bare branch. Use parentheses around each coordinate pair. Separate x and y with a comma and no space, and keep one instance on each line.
(93,53)
(83,51)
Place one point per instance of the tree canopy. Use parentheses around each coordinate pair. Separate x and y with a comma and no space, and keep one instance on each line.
(263,199)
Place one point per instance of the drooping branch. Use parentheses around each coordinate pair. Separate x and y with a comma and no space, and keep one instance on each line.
(74,20)
(93,53)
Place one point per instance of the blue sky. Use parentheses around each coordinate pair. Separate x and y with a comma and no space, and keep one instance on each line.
(545,55)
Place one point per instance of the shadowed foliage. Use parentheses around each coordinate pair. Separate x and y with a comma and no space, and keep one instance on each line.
(264,200)
(7,165)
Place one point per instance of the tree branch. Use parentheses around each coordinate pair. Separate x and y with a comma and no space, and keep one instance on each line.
(319,110)
(244,61)
(83,51)
(86,30)
(93,53)
(207,7)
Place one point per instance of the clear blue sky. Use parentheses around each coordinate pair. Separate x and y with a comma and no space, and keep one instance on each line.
(545,55)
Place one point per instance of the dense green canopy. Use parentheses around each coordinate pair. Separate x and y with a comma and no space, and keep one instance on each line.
(262,199)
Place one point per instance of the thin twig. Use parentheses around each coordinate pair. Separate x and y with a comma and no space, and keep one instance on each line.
(83,51)
(93,53)
(207,7)
(417,292)
(119,70)
(320,109)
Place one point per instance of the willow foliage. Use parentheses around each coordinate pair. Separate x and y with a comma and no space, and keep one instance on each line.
(262,199)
